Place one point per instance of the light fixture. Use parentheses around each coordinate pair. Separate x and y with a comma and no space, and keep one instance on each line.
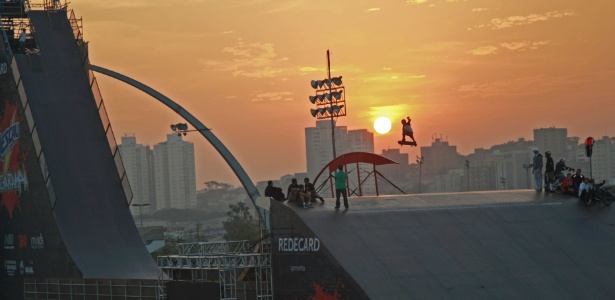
(314,112)
(313,99)
(337,80)
(314,84)
(337,108)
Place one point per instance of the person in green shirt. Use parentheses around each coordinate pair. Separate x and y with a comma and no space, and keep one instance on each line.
(340,186)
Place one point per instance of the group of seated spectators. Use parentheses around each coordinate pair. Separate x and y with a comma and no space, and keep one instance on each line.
(580,186)
(302,194)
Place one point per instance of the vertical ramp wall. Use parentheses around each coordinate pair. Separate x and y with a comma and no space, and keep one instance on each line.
(89,201)
(31,245)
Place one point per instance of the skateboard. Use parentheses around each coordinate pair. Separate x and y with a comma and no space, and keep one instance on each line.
(407,143)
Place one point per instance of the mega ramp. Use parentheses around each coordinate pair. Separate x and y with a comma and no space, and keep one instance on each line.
(488,245)
(68,216)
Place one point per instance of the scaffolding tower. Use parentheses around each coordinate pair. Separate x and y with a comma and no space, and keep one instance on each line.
(218,262)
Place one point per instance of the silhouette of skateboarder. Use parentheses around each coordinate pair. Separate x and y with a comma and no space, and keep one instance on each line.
(407,131)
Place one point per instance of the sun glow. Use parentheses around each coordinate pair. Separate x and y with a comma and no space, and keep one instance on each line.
(382,125)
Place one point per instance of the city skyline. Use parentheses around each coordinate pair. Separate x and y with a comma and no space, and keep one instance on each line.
(488,74)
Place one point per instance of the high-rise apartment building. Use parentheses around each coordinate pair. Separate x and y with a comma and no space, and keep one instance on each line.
(175,173)
(361,140)
(138,163)
(554,140)
(440,157)
(319,148)
(509,171)
(396,171)
(319,152)
(603,159)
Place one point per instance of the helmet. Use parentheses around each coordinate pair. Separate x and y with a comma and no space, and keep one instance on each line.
(548,153)
(535,149)
(562,159)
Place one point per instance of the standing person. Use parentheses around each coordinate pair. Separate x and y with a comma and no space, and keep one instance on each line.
(549,171)
(537,168)
(340,186)
(22,41)
(407,130)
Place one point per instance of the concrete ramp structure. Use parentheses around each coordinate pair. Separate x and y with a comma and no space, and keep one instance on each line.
(64,193)
(476,245)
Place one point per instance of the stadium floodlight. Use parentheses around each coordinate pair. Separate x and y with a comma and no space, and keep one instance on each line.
(180,128)
(314,84)
(337,80)
(332,90)
(337,108)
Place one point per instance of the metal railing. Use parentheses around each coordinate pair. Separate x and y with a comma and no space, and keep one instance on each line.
(77,288)
(77,27)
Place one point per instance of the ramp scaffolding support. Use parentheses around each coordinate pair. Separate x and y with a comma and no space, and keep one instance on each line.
(197,259)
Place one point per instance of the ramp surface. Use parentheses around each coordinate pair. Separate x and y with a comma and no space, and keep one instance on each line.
(91,209)
(483,245)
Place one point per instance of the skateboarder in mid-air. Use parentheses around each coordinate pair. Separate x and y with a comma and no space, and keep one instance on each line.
(407,130)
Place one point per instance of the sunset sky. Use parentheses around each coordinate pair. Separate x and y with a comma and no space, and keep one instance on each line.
(476,72)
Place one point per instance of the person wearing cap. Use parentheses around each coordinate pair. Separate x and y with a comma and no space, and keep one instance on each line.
(560,167)
(537,168)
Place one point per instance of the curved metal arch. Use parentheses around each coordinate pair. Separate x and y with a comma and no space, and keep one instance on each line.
(248,185)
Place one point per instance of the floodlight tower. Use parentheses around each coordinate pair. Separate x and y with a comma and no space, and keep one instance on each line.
(330,100)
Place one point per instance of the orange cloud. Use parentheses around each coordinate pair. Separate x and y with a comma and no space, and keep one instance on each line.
(484,50)
(512,21)
(273,96)
(258,60)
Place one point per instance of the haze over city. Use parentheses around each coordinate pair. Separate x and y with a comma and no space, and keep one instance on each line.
(477,72)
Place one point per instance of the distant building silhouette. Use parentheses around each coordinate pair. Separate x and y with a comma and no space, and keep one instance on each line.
(603,159)
(440,157)
(552,139)
(175,173)
(502,166)
(138,163)
(318,145)
(319,152)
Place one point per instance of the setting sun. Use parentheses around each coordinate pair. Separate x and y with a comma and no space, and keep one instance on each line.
(382,125)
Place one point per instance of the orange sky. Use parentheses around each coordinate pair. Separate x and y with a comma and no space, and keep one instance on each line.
(475,71)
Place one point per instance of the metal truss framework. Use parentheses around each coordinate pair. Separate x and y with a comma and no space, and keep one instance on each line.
(198,258)
(204,248)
